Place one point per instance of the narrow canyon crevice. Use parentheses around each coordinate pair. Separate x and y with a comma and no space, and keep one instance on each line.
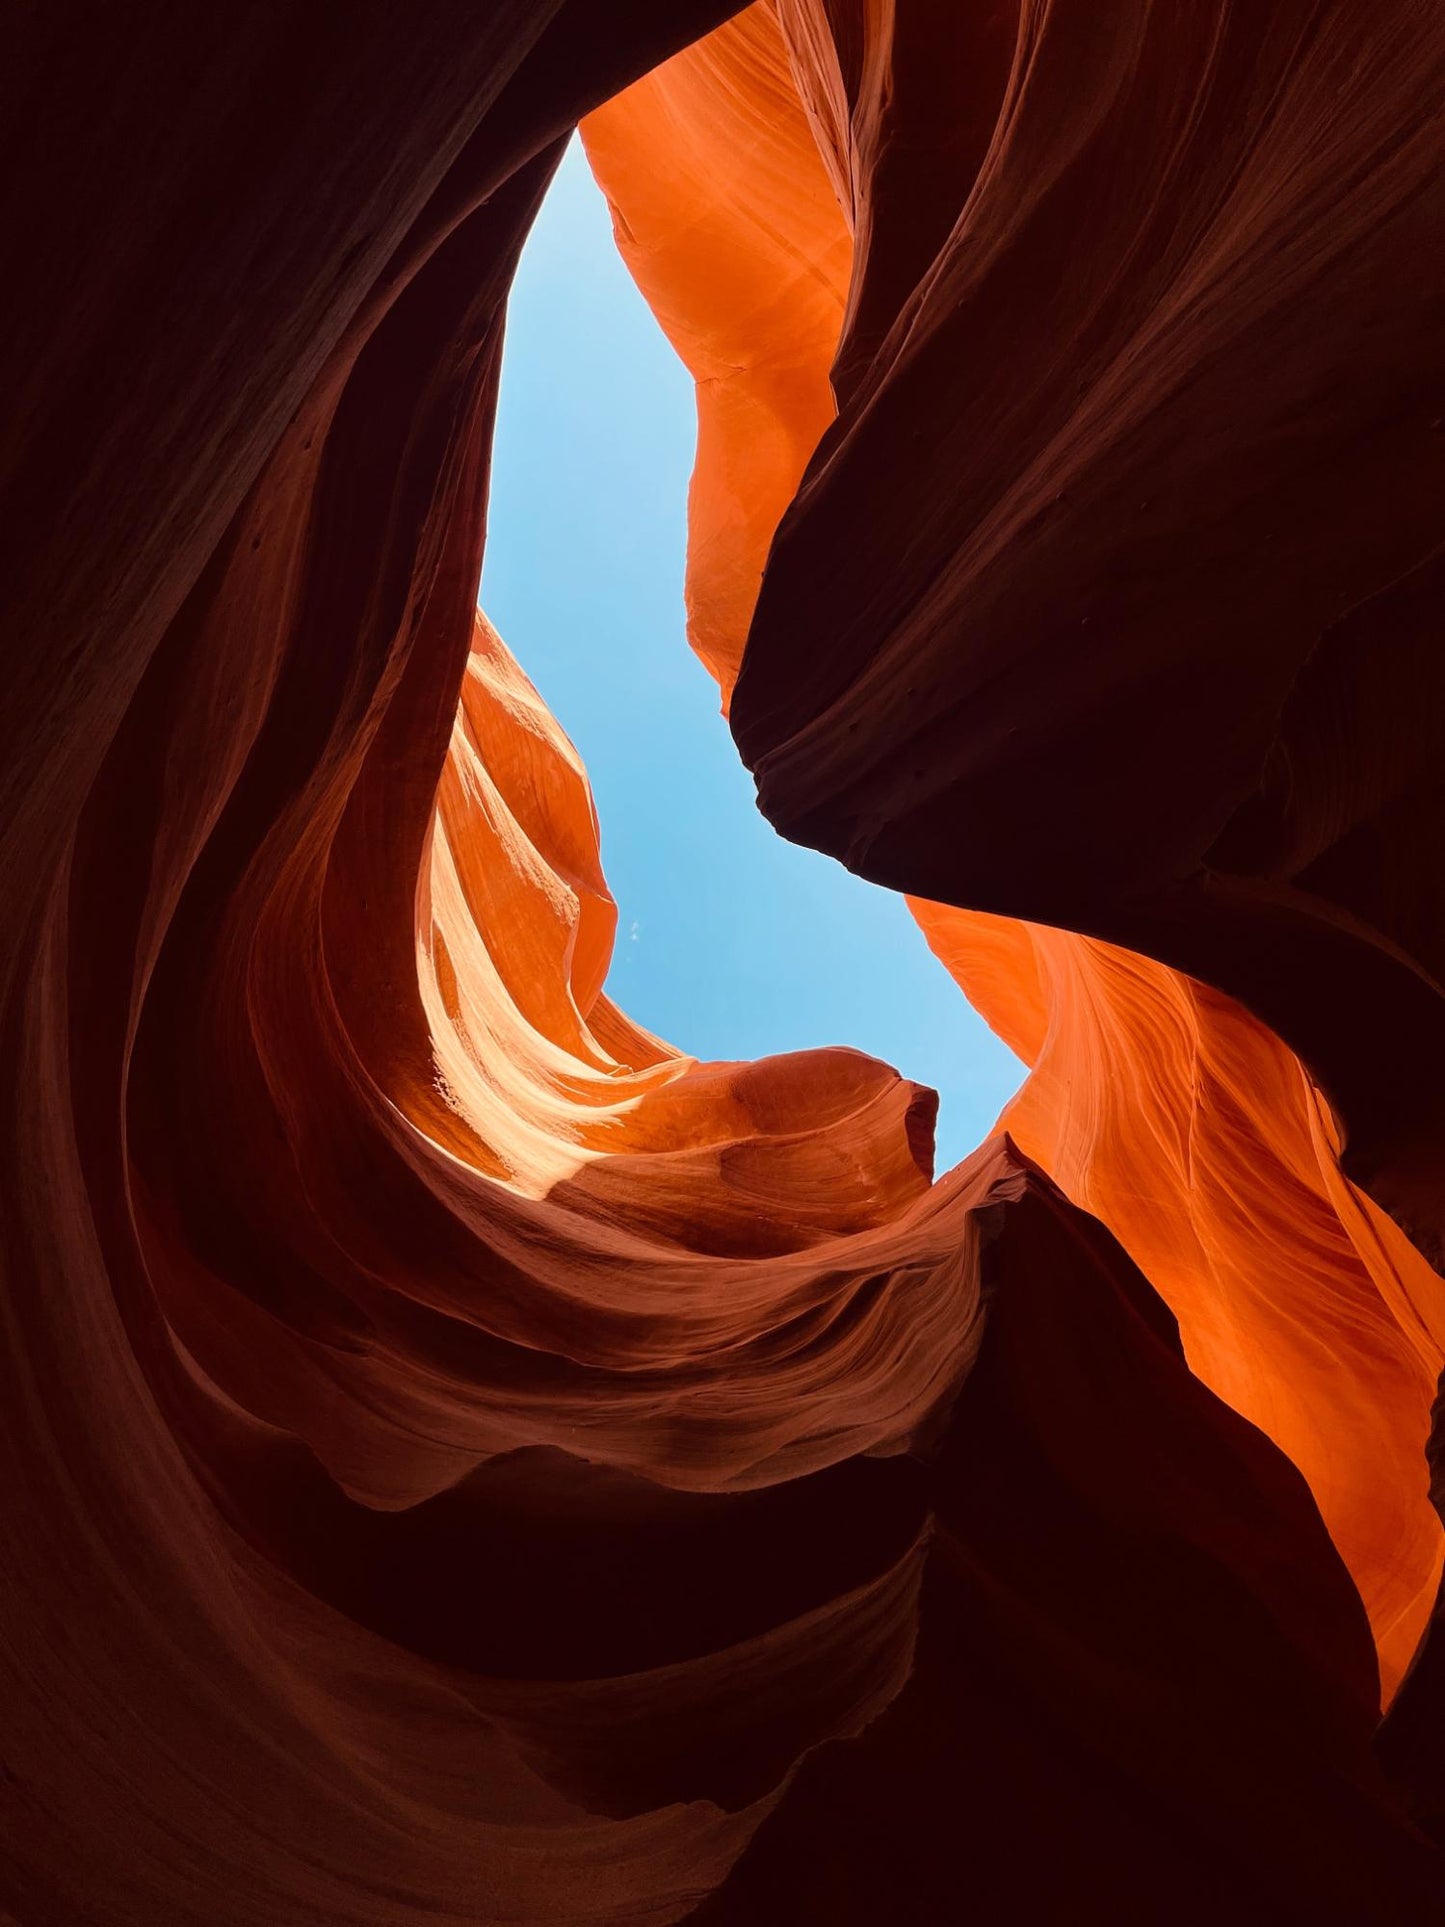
(466,1462)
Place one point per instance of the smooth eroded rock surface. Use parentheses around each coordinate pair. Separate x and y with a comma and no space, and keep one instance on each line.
(465,1459)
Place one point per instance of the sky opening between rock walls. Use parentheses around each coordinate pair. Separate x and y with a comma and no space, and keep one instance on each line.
(732,943)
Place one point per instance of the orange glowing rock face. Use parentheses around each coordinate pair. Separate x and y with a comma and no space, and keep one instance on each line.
(469,1461)
(1180,1122)
(743,253)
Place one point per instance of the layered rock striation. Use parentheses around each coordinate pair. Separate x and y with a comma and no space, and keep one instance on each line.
(469,1461)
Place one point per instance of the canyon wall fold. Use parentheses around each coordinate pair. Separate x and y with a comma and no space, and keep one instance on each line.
(1163,1107)
(468,1460)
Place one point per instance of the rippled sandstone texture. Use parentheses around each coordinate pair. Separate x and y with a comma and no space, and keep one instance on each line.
(467,1461)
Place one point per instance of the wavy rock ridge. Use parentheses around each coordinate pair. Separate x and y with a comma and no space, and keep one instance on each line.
(472,1462)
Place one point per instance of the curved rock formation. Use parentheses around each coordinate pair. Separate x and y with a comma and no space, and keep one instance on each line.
(469,1461)
(1166,1110)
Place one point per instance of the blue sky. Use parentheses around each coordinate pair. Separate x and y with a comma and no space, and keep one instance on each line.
(731,942)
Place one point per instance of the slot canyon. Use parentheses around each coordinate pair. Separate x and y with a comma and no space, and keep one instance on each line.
(466,1459)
